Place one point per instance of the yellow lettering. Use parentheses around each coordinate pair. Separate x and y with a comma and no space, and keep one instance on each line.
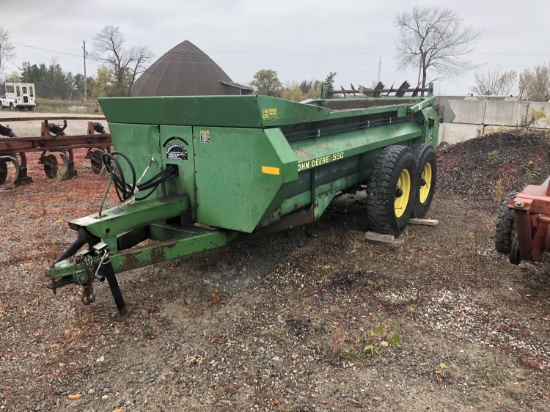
(303,166)
(320,161)
(269,113)
(338,156)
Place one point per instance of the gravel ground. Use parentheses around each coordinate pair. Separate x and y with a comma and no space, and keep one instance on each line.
(312,319)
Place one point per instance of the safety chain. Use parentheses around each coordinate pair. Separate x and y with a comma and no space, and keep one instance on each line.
(88,294)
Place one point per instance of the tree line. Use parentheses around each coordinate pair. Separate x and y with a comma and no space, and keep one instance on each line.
(533,84)
(119,68)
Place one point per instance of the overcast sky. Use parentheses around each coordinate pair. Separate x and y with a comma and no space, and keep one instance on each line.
(300,39)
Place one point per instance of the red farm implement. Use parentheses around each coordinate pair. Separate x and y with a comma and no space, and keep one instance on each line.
(522,227)
(52,141)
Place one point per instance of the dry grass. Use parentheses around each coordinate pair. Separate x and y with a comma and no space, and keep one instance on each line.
(62,106)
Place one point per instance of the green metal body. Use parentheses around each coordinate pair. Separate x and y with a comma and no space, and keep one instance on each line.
(247,164)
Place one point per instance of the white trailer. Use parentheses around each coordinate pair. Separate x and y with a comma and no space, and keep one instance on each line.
(18,95)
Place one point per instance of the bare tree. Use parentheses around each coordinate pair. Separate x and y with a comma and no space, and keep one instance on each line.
(7,50)
(534,84)
(495,82)
(142,56)
(432,38)
(125,63)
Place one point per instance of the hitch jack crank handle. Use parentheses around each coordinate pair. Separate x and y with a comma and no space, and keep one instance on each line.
(123,310)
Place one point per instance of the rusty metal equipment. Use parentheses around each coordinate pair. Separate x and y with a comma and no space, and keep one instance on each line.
(196,173)
(6,131)
(52,141)
(522,227)
(378,91)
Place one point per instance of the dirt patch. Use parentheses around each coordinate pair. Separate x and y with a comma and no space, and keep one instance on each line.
(313,319)
(499,163)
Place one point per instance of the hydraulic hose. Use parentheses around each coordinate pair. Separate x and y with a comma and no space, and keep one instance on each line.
(125,190)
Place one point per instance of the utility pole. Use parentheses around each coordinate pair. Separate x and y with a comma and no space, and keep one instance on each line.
(379,67)
(85,78)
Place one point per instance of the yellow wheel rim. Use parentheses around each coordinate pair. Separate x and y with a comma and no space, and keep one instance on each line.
(426,183)
(402,193)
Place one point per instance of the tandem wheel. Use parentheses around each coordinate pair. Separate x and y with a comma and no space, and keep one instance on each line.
(391,190)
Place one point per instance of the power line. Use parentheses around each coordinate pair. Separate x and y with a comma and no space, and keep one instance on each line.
(511,54)
(58,43)
(51,51)
(328,53)
(359,53)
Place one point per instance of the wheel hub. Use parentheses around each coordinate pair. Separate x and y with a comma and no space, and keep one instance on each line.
(402,193)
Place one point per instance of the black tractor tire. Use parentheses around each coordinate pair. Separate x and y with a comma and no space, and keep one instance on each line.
(505,225)
(391,190)
(426,162)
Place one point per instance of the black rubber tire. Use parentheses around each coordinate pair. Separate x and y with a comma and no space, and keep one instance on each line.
(3,172)
(424,155)
(382,190)
(505,225)
(51,169)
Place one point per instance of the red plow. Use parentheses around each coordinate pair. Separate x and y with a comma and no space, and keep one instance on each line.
(53,143)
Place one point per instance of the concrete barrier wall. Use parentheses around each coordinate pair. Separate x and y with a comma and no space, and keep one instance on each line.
(470,117)
(503,113)
(453,133)
(464,111)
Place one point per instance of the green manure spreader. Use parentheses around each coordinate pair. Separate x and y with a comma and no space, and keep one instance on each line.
(196,173)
